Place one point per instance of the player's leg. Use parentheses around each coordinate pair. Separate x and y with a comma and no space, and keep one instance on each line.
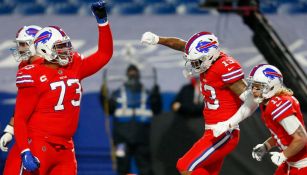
(143,159)
(45,154)
(66,162)
(13,162)
(282,169)
(214,168)
(200,171)
(123,158)
(207,151)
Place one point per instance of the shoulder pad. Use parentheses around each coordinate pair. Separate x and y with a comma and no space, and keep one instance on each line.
(280,107)
(231,70)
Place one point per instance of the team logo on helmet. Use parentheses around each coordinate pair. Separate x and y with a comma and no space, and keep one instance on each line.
(31,31)
(204,46)
(43,37)
(271,74)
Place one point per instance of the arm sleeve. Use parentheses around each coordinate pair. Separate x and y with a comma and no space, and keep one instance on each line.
(290,124)
(26,102)
(246,109)
(102,56)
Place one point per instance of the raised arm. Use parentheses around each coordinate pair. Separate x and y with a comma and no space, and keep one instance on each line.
(171,42)
(102,56)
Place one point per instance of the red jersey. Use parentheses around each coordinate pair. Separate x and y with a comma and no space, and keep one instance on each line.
(277,109)
(220,102)
(48,99)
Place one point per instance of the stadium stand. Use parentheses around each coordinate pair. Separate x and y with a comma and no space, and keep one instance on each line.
(160,9)
(63,9)
(30,9)
(34,7)
(127,9)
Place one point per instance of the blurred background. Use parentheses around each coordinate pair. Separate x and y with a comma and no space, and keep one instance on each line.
(242,35)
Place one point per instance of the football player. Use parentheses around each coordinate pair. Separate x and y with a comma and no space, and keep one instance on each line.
(25,54)
(223,88)
(49,95)
(282,115)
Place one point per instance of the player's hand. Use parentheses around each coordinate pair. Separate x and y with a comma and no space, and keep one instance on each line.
(259,151)
(220,128)
(6,137)
(29,161)
(278,158)
(150,38)
(100,12)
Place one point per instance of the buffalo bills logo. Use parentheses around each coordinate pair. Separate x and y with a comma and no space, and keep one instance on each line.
(43,37)
(271,74)
(204,46)
(31,31)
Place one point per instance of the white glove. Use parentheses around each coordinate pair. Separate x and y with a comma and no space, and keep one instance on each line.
(150,38)
(6,137)
(220,128)
(259,151)
(278,158)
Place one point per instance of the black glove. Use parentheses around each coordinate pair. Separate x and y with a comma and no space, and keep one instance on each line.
(100,12)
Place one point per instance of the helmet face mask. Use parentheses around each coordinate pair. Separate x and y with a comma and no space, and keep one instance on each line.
(25,43)
(201,51)
(63,50)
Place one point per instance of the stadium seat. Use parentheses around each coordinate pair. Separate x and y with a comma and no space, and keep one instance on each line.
(121,1)
(160,9)
(6,9)
(63,9)
(48,2)
(177,2)
(17,2)
(288,1)
(30,9)
(85,10)
(127,9)
(191,9)
(268,8)
(146,2)
(290,8)
(81,2)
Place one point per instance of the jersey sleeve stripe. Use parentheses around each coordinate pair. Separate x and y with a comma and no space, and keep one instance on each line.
(233,77)
(282,111)
(232,73)
(24,76)
(280,107)
(24,81)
